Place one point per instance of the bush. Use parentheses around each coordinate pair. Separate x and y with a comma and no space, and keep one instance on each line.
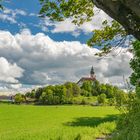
(85,93)
(121,99)
(101,99)
(43,98)
(128,126)
(84,102)
(19,98)
(111,101)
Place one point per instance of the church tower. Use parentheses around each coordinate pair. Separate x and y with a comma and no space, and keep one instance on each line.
(91,78)
(92,73)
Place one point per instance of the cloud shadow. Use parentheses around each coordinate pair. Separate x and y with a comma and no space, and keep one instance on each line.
(91,121)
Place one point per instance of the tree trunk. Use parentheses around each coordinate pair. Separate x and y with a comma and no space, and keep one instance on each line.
(126,12)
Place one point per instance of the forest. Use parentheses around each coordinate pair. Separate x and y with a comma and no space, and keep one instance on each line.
(89,93)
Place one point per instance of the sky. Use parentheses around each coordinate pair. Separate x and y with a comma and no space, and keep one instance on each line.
(36,52)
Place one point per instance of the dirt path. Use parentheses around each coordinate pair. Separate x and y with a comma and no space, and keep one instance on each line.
(100,138)
(103,137)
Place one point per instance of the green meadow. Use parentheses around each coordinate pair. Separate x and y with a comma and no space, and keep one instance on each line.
(27,122)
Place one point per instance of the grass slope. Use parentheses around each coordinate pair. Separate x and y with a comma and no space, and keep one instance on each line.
(55,122)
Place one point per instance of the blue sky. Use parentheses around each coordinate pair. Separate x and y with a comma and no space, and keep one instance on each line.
(32,21)
(37,52)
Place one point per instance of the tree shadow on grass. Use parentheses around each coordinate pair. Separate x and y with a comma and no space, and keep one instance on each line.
(92,121)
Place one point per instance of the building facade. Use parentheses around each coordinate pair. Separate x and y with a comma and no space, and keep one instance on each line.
(92,77)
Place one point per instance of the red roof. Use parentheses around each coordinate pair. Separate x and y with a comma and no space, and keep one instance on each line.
(87,79)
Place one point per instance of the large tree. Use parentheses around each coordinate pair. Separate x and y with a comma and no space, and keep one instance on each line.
(126,12)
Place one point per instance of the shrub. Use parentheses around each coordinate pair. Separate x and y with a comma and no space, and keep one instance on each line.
(111,101)
(128,124)
(84,102)
(19,98)
(101,98)
(85,93)
(121,99)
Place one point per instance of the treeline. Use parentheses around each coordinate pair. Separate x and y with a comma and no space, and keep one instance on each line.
(71,93)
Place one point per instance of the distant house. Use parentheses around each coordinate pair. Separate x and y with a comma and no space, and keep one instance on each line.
(92,77)
(6,98)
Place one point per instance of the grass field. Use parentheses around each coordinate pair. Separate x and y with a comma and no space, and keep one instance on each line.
(55,122)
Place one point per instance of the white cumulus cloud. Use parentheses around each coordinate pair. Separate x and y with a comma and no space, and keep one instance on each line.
(46,61)
(9,72)
(67,26)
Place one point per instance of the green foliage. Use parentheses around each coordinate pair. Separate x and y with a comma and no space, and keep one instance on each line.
(57,10)
(135,64)
(19,98)
(31,94)
(85,93)
(128,126)
(78,137)
(110,91)
(92,100)
(38,93)
(138,91)
(71,93)
(96,88)
(59,94)
(83,102)
(76,89)
(111,101)
(121,100)
(108,32)
(87,86)
(101,99)
(53,95)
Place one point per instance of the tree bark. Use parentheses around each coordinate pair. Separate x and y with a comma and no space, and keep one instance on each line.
(126,12)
